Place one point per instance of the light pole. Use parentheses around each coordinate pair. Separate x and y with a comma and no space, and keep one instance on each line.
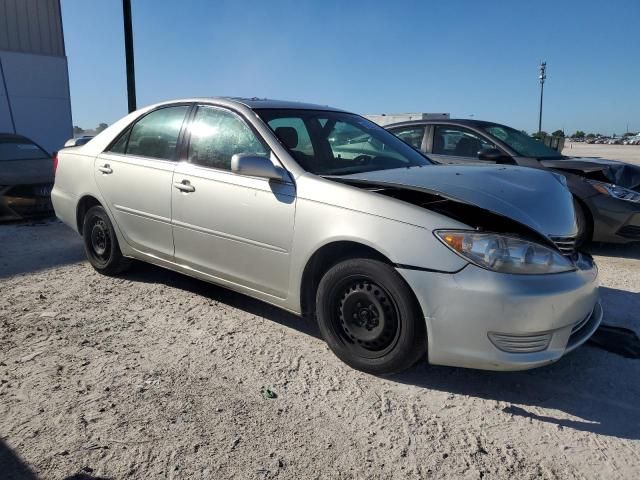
(128,52)
(542,77)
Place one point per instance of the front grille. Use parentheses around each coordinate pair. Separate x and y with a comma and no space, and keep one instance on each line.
(630,231)
(567,245)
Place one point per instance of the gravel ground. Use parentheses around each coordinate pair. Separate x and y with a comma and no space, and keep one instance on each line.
(156,375)
(625,153)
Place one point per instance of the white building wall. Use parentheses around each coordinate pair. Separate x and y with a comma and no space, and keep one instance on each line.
(34,80)
(389,118)
(38,87)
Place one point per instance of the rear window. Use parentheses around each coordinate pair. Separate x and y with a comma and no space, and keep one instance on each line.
(17,150)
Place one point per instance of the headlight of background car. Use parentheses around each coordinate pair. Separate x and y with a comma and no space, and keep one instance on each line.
(505,254)
(616,191)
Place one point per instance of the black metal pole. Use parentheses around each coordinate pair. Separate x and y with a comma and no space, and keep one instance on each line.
(540,115)
(542,77)
(128,50)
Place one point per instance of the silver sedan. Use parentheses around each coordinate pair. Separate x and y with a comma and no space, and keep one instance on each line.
(325,214)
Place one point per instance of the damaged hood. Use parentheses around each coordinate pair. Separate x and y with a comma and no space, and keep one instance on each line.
(536,198)
(612,171)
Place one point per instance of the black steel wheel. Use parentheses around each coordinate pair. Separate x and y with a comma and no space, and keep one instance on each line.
(100,240)
(366,315)
(101,243)
(369,317)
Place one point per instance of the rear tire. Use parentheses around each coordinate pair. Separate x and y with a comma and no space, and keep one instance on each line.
(369,317)
(101,243)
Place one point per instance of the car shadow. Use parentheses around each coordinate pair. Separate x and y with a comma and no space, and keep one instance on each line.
(12,467)
(145,272)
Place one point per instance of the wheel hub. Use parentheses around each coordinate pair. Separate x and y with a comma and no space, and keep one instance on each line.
(367,315)
(99,238)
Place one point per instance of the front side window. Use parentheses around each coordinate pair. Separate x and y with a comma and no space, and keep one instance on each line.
(155,135)
(217,135)
(338,143)
(458,142)
(522,144)
(412,135)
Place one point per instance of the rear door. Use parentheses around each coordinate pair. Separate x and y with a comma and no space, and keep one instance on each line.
(454,144)
(135,177)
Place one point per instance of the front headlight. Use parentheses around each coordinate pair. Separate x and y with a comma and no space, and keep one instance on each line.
(616,191)
(505,254)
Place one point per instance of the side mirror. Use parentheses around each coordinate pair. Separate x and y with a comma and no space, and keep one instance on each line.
(492,155)
(255,166)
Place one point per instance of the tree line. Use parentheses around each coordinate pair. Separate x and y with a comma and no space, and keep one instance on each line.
(577,134)
(81,131)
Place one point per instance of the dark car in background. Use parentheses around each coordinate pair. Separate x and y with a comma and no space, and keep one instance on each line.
(78,141)
(26,178)
(606,192)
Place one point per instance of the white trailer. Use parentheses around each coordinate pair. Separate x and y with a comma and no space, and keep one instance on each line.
(389,118)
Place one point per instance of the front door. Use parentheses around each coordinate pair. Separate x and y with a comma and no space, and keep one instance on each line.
(135,178)
(452,144)
(233,227)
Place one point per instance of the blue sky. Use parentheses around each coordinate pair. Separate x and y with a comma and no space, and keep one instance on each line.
(469,57)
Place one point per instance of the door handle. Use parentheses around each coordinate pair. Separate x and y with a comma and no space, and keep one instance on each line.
(106,169)
(184,186)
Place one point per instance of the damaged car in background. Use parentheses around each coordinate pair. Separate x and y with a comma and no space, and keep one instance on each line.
(395,258)
(26,178)
(606,192)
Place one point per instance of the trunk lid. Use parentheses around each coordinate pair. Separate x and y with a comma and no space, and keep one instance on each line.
(26,172)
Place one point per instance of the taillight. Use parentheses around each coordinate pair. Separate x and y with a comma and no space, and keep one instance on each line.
(55,162)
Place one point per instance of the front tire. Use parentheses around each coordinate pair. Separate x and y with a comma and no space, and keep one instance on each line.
(369,317)
(101,243)
(585,228)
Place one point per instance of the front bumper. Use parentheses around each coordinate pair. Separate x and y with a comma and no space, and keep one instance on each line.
(24,201)
(615,220)
(464,312)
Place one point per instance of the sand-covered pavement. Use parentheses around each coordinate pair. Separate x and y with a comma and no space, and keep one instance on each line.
(624,153)
(156,375)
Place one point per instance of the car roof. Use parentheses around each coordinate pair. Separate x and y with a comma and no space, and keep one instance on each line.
(449,121)
(257,103)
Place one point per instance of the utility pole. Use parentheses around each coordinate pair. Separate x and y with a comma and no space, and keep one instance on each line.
(128,51)
(542,77)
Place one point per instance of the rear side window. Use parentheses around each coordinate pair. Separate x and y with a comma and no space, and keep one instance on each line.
(217,135)
(155,135)
(20,150)
(412,135)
